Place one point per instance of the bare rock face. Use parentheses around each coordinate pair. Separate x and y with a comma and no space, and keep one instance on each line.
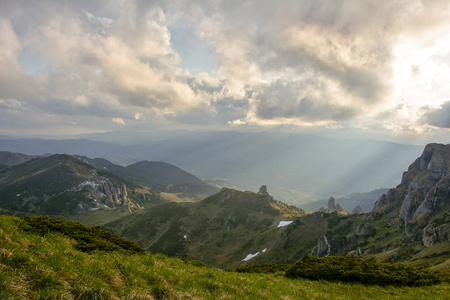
(429,235)
(443,233)
(425,187)
(331,203)
(106,193)
(263,190)
(357,210)
(421,196)
(340,209)
(322,249)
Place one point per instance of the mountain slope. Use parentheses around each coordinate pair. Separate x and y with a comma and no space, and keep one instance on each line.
(214,230)
(62,184)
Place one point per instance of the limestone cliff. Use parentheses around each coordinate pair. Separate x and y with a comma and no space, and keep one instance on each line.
(423,192)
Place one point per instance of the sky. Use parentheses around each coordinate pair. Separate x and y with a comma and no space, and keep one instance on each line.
(354,69)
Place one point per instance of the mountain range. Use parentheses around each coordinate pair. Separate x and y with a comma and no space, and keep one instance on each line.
(298,168)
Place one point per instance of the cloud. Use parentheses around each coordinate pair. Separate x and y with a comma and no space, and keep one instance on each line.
(439,117)
(303,62)
(307,101)
(119,121)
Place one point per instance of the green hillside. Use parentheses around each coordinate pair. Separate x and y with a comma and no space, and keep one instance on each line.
(48,265)
(63,185)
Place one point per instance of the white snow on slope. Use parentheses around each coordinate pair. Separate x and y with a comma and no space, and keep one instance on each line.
(250,256)
(284,223)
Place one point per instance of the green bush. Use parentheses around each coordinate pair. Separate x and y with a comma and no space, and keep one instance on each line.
(367,271)
(88,238)
(262,268)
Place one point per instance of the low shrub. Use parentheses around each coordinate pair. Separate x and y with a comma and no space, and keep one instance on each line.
(367,271)
(88,238)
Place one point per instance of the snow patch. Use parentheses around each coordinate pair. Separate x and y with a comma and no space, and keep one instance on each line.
(250,256)
(284,223)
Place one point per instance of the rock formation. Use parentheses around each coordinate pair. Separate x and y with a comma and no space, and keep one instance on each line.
(263,190)
(422,193)
(357,210)
(331,203)
(104,192)
(322,249)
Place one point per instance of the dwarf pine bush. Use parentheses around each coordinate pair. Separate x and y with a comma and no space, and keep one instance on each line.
(88,238)
(367,271)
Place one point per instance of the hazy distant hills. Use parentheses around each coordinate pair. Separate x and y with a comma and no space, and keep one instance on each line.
(158,175)
(298,168)
(365,200)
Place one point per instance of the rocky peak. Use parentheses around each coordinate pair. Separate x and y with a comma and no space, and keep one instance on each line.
(263,190)
(322,248)
(331,203)
(422,194)
(357,210)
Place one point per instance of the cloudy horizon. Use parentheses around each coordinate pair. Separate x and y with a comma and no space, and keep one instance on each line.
(372,69)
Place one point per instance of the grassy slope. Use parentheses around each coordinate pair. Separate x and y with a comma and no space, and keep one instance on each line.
(33,267)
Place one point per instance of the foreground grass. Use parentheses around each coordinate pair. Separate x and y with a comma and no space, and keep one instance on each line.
(33,266)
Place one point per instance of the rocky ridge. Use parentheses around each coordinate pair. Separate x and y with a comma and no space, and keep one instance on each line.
(422,194)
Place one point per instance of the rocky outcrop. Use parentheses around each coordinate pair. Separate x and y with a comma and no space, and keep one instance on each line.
(357,210)
(331,203)
(106,193)
(422,193)
(439,234)
(263,190)
(322,249)
(429,236)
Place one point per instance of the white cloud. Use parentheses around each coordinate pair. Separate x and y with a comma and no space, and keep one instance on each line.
(119,121)
(308,63)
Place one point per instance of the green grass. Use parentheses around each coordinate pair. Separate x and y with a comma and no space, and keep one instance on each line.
(35,266)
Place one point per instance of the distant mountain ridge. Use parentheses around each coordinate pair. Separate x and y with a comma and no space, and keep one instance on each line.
(299,168)
(158,175)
